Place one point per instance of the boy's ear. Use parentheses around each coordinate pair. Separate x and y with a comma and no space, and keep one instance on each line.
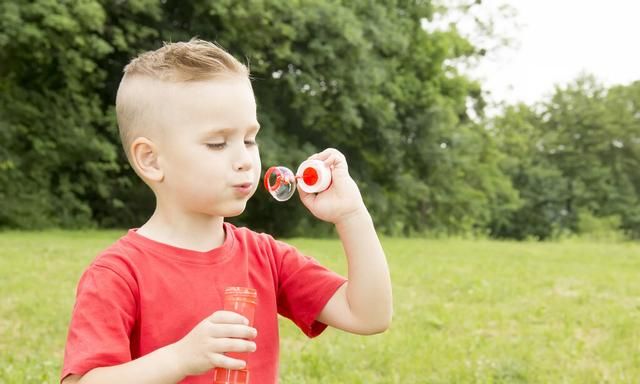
(144,155)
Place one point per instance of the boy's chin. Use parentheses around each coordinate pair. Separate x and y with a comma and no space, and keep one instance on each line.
(228,209)
(235,211)
(234,214)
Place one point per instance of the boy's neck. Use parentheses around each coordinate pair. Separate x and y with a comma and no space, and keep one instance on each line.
(183,230)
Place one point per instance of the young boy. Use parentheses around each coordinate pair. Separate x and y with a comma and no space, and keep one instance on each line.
(148,309)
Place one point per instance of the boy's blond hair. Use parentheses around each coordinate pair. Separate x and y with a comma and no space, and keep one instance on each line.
(194,60)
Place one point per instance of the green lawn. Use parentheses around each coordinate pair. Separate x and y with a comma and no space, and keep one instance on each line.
(465,312)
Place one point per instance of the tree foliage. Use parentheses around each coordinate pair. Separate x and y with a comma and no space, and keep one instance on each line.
(364,77)
(575,158)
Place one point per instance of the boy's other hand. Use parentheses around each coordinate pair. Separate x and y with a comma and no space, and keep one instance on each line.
(203,347)
(342,199)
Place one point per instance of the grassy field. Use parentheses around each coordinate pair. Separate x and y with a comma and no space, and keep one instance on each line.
(465,312)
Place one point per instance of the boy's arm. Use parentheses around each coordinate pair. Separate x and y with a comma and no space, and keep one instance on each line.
(364,304)
(158,366)
(201,350)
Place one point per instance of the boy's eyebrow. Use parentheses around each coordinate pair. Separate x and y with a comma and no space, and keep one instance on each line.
(226,131)
(254,127)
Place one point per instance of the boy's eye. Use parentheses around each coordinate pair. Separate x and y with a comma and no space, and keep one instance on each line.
(216,145)
(250,142)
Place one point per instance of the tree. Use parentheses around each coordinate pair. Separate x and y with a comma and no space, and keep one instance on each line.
(573,159)
(56,152)
(363,77)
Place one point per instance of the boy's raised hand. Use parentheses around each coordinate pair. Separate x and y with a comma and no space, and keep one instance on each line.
(204,346)
(342,198)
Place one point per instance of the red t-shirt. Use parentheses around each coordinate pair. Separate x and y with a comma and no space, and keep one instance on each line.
(139,295)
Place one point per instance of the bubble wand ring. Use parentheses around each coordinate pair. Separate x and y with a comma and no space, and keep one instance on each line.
(267,176)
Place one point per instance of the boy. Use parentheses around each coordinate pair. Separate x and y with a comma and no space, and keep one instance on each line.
(148,309)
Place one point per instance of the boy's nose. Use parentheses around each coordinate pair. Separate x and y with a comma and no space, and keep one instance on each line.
(243,160)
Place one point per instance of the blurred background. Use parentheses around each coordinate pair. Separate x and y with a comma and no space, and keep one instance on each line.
(512,119)
(473,128)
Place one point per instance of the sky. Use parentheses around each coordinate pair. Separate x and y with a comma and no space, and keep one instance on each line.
(555,41)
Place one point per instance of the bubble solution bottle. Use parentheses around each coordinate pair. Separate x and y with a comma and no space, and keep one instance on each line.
(243,301)
(313,176)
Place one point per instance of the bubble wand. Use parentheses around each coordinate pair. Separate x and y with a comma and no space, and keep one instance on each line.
(313,176)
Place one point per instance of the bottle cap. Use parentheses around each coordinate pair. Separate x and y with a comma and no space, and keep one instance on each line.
(241,294)
(313,176)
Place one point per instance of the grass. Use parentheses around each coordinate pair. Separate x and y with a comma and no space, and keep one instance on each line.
(465,312)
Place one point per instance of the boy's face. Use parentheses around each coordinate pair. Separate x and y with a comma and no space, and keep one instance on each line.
(207,148)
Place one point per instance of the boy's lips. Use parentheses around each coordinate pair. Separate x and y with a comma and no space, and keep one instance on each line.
(243,188)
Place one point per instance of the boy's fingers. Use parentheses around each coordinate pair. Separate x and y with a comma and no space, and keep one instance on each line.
(324,155)
(234,345)
(234,330)
(228,317)
(306,198)
(222,361)
(336,162)
(331,157)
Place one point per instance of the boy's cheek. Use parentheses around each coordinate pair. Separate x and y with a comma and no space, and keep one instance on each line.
(258,167)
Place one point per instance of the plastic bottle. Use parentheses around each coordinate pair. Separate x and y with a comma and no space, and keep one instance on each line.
(241,300)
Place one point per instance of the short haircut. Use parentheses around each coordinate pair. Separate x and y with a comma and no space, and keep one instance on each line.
(190,61)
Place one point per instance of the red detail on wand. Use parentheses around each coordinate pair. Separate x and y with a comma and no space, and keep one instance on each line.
(310,176)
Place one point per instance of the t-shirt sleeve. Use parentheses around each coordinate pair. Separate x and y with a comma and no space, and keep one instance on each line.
(304,287)
(101,322)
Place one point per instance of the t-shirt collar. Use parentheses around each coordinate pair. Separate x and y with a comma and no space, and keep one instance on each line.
(213,256)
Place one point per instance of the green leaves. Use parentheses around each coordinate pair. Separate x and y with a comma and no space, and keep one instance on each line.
(576,159)
(361,76)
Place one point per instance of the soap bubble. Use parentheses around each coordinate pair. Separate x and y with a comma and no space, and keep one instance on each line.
(280,182)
